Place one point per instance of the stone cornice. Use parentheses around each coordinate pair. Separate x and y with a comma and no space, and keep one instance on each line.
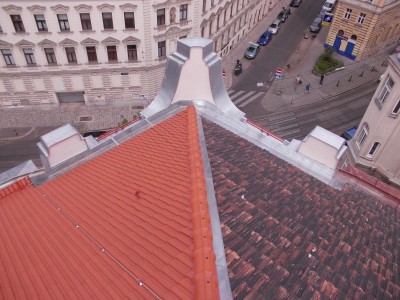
(12,9)
(36,8)
(82,8)
(128,7)
(106,7)
(59,8)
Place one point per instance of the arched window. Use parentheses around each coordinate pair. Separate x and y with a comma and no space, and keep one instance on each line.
(353,37)
(362,135)
(340,32)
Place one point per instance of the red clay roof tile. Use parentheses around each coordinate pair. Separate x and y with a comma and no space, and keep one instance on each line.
(137,211)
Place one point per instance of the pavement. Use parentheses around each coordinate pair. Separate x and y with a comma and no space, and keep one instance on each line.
(16,122)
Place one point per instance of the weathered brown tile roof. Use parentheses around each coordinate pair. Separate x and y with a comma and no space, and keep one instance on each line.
(288,235)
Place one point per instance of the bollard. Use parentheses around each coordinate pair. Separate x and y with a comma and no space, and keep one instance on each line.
(373,69)
(337,84)
(350,77)
(362,73)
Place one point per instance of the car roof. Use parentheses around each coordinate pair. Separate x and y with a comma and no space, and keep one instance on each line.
(276,22)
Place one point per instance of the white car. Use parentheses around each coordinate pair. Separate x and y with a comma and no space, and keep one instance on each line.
(275,26)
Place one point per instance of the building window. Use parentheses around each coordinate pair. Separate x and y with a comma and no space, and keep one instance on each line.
(17,22)
(108,21)
(50,55)
(385,90)
(210,29)
(71,56)
(30,58)
(362,135)
(161,17)
(373,149)
(396,109)
(41,22)
(202,31)
(183,12)
(129,20)
(132,53)
(8,58)
(112,53)
(347,14)
(161,49)
(85,21)
(1,29)
(361,18)
(91,53)
(204,5)
(345,164)
(63,22)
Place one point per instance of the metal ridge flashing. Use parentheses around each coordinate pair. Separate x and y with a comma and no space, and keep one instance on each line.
(225,291)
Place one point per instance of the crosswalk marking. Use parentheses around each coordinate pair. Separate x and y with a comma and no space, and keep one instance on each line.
(251,99)
(243,98)
(237,95)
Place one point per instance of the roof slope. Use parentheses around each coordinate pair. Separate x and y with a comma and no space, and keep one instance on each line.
(286,234)
(132,223)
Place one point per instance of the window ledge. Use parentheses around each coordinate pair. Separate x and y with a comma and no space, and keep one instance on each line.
(93,63)
(131,61)
(11,66)
(183,22)
(129,30)
(109,30)
(53,65)
(20,33)
(392,115)
(72,64)
(378,103)
(87,31)
(65,32)
(43,32)
(161,27)
(33,66)
(113,62)
(358,24)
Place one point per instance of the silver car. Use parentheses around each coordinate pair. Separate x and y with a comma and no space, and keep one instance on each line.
(275,26)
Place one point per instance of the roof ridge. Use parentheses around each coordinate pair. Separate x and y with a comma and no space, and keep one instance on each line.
(16,186)
(205,272)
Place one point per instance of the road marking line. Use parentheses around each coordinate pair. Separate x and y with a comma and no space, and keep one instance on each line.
(244,97)
(252,99)
(237,95)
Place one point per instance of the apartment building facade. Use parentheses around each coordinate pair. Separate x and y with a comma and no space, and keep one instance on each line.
(363,27)
(96,52)
(375,146)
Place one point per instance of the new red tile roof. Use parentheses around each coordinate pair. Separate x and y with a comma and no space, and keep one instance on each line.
(131,223)
(289,236)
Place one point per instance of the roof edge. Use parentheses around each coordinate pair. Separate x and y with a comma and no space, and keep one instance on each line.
(16,186)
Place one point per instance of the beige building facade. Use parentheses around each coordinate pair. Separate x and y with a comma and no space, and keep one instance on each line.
(363,27)
(98,52)
(375,146)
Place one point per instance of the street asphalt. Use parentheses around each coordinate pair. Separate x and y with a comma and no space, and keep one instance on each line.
(15,122)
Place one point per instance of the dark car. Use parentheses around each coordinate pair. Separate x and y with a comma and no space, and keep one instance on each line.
(321,14)
(349,134)
(252,51)
(295,3)
(283,15)
(265,38)
(316,25)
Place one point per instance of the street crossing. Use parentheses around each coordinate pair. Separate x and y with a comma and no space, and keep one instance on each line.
(243,98)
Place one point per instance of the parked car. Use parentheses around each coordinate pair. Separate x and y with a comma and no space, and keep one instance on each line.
(349,134)
(274,28)
(265,38)
(397,49)
(295,3)
(321,14)
(252,51)
(316,25)
(329,5)
(283,15)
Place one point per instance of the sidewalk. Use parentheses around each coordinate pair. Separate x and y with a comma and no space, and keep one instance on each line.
(285,93)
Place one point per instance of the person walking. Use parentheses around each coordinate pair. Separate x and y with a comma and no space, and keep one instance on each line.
(321,80)
(308,86)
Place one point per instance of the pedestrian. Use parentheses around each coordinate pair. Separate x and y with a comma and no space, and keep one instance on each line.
(288,67)
(321,79)
(308,86)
